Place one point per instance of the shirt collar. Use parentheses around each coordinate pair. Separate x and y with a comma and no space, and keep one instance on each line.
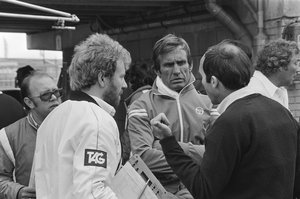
(232,97)
(108,108)
(271,88)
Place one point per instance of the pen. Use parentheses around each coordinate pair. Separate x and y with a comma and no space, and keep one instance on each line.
(144,188)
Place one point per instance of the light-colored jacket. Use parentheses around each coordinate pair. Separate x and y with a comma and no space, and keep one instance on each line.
(77,153)
(187,112)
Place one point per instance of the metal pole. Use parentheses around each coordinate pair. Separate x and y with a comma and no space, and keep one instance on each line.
(28,5)
(72,18)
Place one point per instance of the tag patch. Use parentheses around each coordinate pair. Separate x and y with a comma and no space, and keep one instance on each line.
(95,158)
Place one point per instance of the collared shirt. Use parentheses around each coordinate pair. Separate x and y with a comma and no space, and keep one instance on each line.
(243,92)
(108,108)
(261,84)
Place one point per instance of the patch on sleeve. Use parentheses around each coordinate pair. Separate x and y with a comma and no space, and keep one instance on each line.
(95,158)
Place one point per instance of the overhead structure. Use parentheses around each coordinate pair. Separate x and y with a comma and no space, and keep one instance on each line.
(101,15)
(59,20)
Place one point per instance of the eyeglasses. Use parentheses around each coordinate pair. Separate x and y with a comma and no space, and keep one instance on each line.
(46,97)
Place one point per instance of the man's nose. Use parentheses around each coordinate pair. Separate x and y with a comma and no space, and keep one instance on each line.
(53,97)
(124,84)
(176,69)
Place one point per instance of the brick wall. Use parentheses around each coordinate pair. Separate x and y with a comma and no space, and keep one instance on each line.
(294,99)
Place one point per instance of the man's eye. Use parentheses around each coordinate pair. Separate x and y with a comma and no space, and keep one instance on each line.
(168,65)
(180,63)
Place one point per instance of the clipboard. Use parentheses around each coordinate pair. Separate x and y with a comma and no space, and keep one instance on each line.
(128,184)
(135,181)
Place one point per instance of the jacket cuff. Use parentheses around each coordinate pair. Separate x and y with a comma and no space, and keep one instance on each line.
(169,143)
(16,190)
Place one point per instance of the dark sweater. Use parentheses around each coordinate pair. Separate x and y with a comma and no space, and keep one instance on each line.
(251,152)
(10,110)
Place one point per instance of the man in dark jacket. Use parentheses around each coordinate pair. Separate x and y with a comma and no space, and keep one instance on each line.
(11,110)
(252,150)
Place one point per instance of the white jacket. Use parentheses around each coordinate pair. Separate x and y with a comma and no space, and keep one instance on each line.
(77,153)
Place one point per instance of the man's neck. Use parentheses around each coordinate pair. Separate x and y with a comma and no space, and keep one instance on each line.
(275,79)
(37,117)
(93,91)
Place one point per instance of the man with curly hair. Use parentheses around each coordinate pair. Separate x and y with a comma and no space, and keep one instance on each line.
(276,68)
(78,150)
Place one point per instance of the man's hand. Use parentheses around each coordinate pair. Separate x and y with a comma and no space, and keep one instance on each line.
(26,192)
(160,125)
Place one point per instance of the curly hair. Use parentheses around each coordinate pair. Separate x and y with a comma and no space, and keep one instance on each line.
(97,54)
(274,55)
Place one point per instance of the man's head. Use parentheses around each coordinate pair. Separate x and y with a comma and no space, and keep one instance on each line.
(172,61)
(279,61)
(140,74)
(99,65)
(22,73)
(40,93)
(224,68)
(239,44)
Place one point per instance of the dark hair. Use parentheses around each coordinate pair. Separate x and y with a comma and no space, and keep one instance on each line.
(229,64)
(239,44)
(140,74)
(22,72)
(167,44)
(274,55)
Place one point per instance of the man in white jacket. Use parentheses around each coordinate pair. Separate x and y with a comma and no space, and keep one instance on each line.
(78,150)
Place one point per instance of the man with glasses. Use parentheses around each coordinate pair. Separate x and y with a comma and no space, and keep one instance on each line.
(17,141)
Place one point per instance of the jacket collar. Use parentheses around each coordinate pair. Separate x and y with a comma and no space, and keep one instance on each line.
(81,96)
(162,89)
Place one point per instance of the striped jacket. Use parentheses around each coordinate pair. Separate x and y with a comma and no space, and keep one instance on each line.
(17,145)
(188,113)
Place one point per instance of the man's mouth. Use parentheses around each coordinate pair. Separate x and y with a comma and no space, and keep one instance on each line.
(178,80)
(54,105)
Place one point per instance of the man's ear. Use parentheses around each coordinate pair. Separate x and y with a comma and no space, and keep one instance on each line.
(191,67)
(29,102)
(283,69)
(157,72)
(101,80)
(214,81)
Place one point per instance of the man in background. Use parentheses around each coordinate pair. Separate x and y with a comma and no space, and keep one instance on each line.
(17,141)
(22,73)
(173,92)
(276,68)
(10,110)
